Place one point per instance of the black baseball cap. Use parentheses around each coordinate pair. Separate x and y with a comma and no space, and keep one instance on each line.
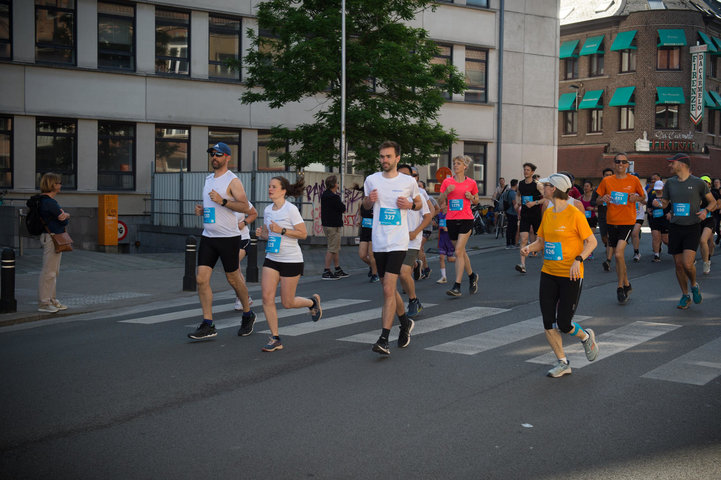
(680,157)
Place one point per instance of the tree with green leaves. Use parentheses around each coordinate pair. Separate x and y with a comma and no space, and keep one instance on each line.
(395,83)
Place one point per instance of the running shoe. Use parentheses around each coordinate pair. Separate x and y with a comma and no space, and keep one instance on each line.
(521,268)
(706,269)
(607,266)
(328,275)
(696,294)
(621,295)
(454,292)
(417,270)
(442,280)
(246,324)
(48,308)
(560,370)
(205,330)
(56,303)
(381,346)
(414,307)
(637,258)
(239,305)
(627,289)
(473,280)
(404,337)
(273,345)
(316,312)
(340,273)
(684,302)
(375,279)
(425,273)
(590,346)
(656,258)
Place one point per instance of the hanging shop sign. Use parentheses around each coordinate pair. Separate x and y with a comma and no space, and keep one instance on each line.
(698,64)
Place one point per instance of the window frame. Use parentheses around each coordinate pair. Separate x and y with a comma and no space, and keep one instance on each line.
(711,123)
(667,116)
(161,21)
(264,143)
(11,151)
(171,126)
(73,49)
(449,61)
(484,90)
(627,115)
(134,152)
(626,58)
(74,154)
(571,115)
(595,120)
(133,51)
(487,4)
(238,74)
(484,164)
(9,41)
(666,51)
(597,62)
(574,73)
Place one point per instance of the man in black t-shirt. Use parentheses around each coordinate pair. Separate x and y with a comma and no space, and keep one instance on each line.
(531,200)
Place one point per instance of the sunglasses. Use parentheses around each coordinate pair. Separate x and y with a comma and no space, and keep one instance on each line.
(216,154)
(620,161)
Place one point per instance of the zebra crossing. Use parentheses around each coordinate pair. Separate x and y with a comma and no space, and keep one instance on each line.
(696,367)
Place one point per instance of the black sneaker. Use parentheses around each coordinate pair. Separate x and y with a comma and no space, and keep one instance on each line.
(205,330)
(417,270)
(454,292)
(473,287)
(246,325)
(339,273)
(627,289)
(328,275)
(425,273)
(414,307)
(381,346)
(521,268)
(404,338)
(607,266)
(621,295)
(316,312)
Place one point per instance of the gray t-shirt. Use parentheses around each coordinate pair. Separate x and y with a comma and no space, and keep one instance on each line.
(685,198)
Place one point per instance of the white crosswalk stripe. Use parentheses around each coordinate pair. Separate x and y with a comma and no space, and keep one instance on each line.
(496,338)
(431,324)
(611,343)
(697,367)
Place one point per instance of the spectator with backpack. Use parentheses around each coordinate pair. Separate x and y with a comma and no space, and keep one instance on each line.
(53,220)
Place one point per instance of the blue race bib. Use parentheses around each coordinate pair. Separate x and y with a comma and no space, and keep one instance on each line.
(390,216)
(367,223)
(455,205)
(552,251)
(619,198)
(209,215)
(442,222)
(682,209)
(588,213)
(526,198)
(273,245)
(657,213)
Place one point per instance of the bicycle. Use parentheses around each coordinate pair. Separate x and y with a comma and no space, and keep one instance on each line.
(501,224)
(479,225)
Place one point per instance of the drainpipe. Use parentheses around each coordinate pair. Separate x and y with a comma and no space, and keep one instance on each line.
(499,115)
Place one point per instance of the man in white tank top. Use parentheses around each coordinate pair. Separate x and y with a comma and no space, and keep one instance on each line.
(223,195)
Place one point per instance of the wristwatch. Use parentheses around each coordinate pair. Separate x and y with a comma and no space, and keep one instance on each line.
(225,200)
(579,258)
(282,232)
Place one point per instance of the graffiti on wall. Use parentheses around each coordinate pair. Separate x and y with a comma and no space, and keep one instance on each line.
(351,197)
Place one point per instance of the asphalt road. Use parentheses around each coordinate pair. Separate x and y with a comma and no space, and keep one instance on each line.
(124,394)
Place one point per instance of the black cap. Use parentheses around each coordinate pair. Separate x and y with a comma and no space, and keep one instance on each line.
(680,157)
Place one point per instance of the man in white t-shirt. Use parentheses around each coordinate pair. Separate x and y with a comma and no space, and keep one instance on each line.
(390,195)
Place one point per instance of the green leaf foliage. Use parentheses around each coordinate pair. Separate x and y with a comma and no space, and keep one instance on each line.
(394,90)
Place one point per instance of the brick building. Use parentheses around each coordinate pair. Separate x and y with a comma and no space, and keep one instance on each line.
(625,85)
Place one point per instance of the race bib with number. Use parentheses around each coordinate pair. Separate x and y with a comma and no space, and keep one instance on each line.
(619,198)
(390,216)
(367,223)
(273,245)
(553,251)
(588,213)
(526,198)
(442,222)
(657,213)
(682,209)
(209,215)
(455,205)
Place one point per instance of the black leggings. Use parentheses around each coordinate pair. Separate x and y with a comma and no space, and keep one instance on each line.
(559,298)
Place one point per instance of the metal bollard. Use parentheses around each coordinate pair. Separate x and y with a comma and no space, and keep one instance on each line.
(251,271)
(8,303)
(190,283)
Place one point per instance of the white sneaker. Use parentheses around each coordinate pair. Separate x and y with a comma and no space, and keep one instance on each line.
(706,268)
(442,280)
(50,308)
(239,305)
(58,305)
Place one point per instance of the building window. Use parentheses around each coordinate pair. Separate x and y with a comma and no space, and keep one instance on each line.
(476,75)
(268,159)
(712,66)
(223,45)
(6,152)
(666,117)
(55,31)
(172,42)
(442,159)
(570,122)
(56,150)
(668,58)
(116,36)
(477,152)
(6,32)
(444,57)
(172,147)
(595,117)
(595,64)
(116,156)
(230,138)
(627,118)
(571,68)
(711,122)
(628,61)
(477,3)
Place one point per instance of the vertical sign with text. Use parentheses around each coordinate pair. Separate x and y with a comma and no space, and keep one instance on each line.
(698,64)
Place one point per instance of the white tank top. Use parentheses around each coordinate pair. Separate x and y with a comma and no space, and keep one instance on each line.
(219,221)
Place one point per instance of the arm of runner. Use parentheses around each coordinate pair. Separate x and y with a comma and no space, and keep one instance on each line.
(250,217)
(589,245)
(705,212)
(370,200)
(298,231)
(536,246)
(240,200)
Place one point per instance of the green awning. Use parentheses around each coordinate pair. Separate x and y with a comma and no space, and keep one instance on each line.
(671,38)
(668,95)
(711,45)
(567,102)
(716,97)
(591,99)
(568,48)
(622,97)
(592,45)
(708,101)
(717,41)
(623,41)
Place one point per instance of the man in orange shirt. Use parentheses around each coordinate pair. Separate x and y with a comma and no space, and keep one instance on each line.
(620,192)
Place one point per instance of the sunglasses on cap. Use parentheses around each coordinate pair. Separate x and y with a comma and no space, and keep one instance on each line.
(216,154)
(620,161)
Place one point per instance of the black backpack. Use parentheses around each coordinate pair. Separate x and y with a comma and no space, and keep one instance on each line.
(33,220)
(506,202)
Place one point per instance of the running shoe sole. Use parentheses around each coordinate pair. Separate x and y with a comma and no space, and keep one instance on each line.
(408,342)
(473,287)
(316,316)
(383,350)
(554,374)
(202,337)
(520,269)
(454,293)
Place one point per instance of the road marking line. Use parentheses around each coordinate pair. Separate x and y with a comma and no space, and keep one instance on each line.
(697,367)
(431,324)
(194,312)
(497,338)
(611,343)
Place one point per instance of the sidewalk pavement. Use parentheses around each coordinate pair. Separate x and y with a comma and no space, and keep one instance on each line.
(92,281)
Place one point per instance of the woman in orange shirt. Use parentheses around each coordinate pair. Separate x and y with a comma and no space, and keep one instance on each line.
(566,241)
